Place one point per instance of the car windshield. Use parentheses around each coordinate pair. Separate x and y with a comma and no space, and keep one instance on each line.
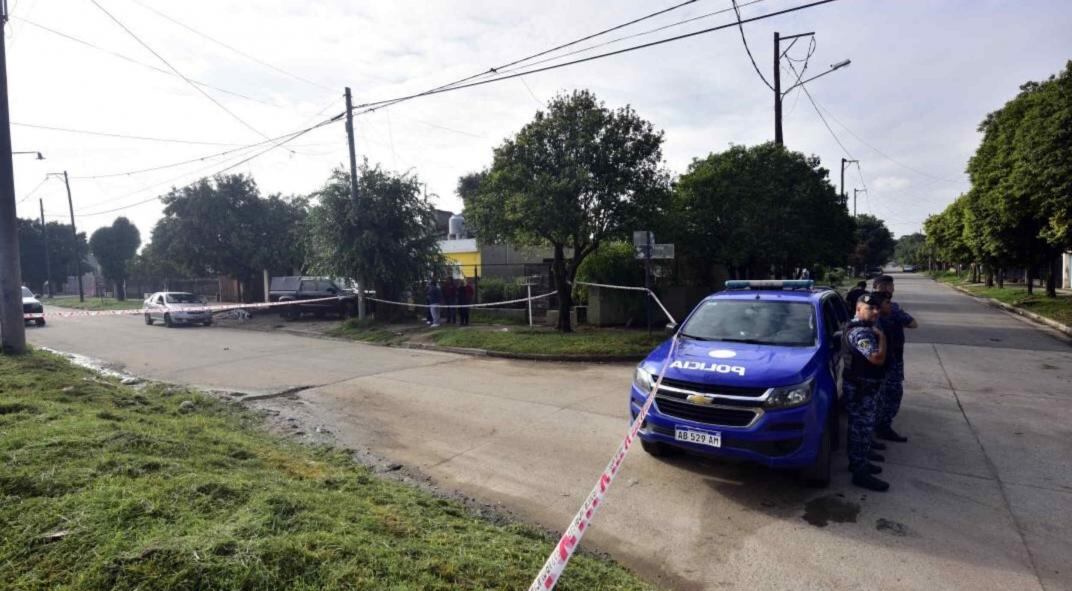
(26,293)
(790,324)
(182,298)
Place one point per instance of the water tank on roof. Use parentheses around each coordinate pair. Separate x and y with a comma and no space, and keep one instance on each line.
(456,227)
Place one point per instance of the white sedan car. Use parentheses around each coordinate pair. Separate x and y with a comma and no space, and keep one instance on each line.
(32,310)
(177,307)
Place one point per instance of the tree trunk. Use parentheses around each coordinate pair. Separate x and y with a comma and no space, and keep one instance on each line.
(974,273)
(989,276)
(120,290)
(1030,280)
(565,300)
(1051,278)
(1001,277)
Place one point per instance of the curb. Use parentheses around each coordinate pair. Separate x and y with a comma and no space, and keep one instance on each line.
(467,351)
(1062,328)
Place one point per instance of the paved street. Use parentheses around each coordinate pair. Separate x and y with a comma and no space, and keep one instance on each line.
(981,496)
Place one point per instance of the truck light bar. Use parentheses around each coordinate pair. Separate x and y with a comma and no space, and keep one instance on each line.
(770,284)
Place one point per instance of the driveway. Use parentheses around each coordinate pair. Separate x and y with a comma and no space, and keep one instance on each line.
(981,496)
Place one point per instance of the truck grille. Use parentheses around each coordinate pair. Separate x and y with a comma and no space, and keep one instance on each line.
(714,389)
(711,415)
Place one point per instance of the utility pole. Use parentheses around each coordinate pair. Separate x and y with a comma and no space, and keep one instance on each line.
(844,195)
(13,339)
(353,191)
(74,236)
(48,260)
(777,89)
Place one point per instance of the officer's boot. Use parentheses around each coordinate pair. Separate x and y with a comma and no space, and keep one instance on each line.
(869,482)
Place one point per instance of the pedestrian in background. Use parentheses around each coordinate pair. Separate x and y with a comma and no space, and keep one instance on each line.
(854,294)
(863,348)
(465,297)
(435,298)
(892,320)
(450,299)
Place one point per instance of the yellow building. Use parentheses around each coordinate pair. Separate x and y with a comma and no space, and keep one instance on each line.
(463,255)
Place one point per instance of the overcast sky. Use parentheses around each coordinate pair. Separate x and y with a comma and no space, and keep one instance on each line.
(923,74)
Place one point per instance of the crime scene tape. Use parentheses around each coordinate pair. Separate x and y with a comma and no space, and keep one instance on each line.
(216,308)
(631,288)
(571,539)
(484,305)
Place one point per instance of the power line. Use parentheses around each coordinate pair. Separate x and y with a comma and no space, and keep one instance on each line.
(176,70)
(372,106)
(532,94)
(631,36)
(138,62)
(34,190)
(230,47)
(744,40)
(122,135)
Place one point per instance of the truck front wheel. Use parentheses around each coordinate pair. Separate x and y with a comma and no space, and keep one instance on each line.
(818,474)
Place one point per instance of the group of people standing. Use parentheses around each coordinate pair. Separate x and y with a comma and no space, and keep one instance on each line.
(442,297)
(872,375)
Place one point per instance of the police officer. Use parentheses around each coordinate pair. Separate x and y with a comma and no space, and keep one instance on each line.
(863,347)
(892,320)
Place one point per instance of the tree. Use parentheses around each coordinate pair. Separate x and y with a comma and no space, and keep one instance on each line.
(61,253)
(387,238)
(759,211)
(874,242)
(945,234)
(115,246)
(571,178)
(911,249)
(223,226)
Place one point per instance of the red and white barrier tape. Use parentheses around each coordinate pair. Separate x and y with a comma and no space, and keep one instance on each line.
(630,288)
(216,308)
(484,305)
(568,543)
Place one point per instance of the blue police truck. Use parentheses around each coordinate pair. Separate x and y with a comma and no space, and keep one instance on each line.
(754,376)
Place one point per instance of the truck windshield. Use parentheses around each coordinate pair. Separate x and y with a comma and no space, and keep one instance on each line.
(27,293)
(790,324)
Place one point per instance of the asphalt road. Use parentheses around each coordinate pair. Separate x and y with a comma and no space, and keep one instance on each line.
(981,496)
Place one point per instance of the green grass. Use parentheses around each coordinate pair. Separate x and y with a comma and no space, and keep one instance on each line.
(108,487)
(1059,308)
(94,303)
(548,342)
(367,331)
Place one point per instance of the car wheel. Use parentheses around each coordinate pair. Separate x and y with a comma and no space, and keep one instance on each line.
(39,321)
(167,321)
(148,320)
(818,474)
(657,449)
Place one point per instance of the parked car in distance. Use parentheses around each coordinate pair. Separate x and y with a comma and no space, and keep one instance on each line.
(32,310)
(754,376)
(873,272)
(176,307)
(908,269)
(334,300)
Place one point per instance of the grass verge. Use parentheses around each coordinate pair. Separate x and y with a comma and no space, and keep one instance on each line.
(584,341)
(109,487)
(95,303)
(1059,308)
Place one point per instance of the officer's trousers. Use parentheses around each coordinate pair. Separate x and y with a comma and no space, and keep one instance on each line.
(861,403)
(892,393)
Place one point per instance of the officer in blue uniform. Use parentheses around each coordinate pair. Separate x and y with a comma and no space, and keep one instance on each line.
(863,371)
(892,320)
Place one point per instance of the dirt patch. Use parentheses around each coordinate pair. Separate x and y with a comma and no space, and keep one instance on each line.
(821,511)
(894,528)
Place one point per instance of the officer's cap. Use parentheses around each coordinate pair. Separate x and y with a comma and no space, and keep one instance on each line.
(874,298)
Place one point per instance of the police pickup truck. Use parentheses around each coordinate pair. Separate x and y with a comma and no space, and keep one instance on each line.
(754,376)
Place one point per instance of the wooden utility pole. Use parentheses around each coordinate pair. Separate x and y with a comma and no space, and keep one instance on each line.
(74,235)
(777,89)
(353,191)
(13,339)
(48,259)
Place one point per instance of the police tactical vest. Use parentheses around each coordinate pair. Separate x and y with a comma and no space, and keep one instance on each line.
(856,366)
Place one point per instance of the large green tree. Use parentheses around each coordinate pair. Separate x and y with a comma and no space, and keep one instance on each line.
(115,247)
(222,226)
(759,210)
(911,249)
(571,178)
(874,242)
(387,238)
(62,259)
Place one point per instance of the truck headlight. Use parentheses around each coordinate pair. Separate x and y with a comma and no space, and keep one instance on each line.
(643,379)
(790,396)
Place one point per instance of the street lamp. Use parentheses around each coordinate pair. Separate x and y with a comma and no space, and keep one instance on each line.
(40,156)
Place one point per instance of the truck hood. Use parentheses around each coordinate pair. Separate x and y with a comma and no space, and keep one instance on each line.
(30,301)
(735,364)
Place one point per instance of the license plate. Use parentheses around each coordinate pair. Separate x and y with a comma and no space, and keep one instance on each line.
(710,438)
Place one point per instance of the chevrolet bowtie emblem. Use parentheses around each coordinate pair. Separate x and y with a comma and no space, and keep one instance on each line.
(698,399)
